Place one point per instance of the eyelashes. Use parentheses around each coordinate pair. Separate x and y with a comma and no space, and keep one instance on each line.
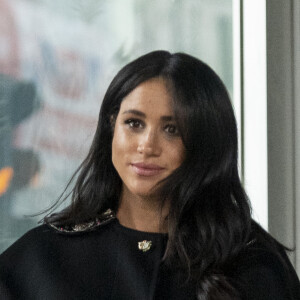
(172,130)
(137,125)
(134,123)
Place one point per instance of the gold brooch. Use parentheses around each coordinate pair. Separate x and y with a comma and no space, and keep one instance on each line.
(145,245)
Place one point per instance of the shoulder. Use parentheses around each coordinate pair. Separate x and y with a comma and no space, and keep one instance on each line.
(45,237)
(30,238)
(262,273)
(47,251)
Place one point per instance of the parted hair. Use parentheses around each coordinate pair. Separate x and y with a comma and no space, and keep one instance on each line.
(209,221)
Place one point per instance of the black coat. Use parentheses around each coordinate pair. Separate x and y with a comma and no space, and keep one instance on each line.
(102,260)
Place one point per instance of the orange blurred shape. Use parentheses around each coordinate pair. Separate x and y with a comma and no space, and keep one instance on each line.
(6,175)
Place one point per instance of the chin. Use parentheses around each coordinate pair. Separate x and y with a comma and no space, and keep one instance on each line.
(143,192)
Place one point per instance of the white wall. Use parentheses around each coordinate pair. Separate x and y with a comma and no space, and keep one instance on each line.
(254,114)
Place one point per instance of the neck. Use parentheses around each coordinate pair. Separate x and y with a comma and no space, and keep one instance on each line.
(143,214)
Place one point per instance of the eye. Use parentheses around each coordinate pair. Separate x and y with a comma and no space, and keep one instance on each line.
(171,129)
(134,123)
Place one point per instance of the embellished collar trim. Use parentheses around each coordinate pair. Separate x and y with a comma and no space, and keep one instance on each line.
(104,218)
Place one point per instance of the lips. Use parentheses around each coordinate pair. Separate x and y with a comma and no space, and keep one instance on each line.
(143,169)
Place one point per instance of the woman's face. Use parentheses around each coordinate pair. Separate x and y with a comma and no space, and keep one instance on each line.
(146,145)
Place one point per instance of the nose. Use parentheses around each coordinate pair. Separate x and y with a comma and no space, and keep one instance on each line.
(149,143)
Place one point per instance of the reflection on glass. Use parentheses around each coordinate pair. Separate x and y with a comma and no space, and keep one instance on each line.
(56,60)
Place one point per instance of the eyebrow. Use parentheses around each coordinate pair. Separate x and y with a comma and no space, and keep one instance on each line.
(141,114)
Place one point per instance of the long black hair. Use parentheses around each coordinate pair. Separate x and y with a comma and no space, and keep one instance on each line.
(210,217)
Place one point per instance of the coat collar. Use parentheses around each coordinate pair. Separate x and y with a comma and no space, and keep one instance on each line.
(104,218)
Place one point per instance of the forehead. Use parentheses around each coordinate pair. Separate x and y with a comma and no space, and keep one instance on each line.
(150,96)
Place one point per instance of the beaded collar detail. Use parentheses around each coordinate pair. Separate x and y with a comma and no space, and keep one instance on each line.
(104,218)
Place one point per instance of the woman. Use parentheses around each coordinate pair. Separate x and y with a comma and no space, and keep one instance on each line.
(158,210)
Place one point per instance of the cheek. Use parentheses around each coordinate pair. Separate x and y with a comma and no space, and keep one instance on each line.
(122,145)
(117,146)
(176,155)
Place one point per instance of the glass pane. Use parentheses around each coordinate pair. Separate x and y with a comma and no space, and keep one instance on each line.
(56,61)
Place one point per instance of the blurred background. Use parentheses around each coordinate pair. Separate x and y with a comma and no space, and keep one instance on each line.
(57,58)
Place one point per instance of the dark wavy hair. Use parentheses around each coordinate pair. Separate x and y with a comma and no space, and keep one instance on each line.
(210,217)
